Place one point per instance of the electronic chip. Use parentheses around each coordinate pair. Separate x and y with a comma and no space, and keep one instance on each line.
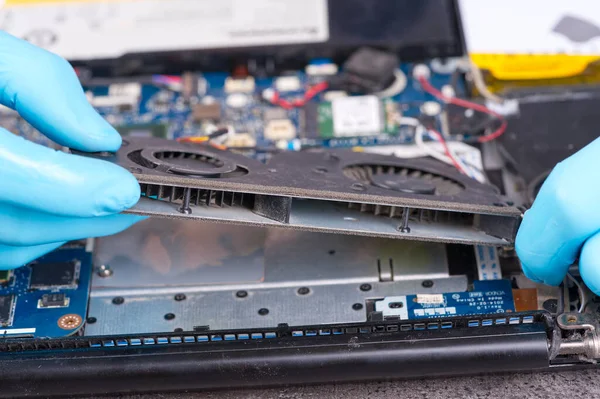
(54,300)
(202,112)
(351,117)
(309,121)
(6,310)
(53,275)
(356,116)
(275,113)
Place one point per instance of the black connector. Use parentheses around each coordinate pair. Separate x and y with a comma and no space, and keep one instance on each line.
(368,71)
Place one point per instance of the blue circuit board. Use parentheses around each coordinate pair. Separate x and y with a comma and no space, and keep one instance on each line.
(162,106)
(486,297)
(49,297)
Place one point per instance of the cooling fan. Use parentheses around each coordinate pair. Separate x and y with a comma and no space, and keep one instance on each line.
(327,191)
(163,157)
(167,170)
(404,180)
(193,161)
(408,180)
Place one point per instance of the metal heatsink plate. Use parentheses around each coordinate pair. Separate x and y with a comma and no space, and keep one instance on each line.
(227,274)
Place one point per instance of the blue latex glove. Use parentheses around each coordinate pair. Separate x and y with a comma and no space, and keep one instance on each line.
(564,222)
(48,197)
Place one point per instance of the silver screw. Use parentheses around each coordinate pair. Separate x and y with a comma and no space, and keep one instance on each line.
(104,271)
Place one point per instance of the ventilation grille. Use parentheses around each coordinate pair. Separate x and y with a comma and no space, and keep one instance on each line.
(416,214)
(197,196)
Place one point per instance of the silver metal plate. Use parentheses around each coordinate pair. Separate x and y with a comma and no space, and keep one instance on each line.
(329,217)
(211,263)
(173,253)
(324,304)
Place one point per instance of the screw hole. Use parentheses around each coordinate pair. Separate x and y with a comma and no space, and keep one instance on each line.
(303,290)
(180,297)
(331,252)
(357,306)
(178,329)
(91,320)
(427,283)
(169,316)
(263,311)
(241,294)
(118,300)
(365,287)
(551,305)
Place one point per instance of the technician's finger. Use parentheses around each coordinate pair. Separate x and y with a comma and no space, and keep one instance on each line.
(589,263)
(43,88)
(51,181)
(26,227)
(13,257)
(564,214)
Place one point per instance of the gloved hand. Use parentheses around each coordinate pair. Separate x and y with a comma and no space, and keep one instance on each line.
(48,197)
(564,222)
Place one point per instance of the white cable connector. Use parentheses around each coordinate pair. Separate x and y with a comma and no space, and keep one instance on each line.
(421,71)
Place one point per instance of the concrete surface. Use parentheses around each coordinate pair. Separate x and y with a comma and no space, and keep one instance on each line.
(565,385)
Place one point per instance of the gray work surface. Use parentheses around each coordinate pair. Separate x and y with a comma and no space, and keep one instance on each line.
(564,384)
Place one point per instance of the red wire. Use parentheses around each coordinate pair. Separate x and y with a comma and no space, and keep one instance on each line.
(308,95)
(440,138)
(469,105)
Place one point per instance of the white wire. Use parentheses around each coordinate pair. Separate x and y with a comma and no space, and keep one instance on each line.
(446,133)
(419,132)
(397,86)
(428,149)
(412,151)
(479,83)
(407,121)
(579,290)
(431,151)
